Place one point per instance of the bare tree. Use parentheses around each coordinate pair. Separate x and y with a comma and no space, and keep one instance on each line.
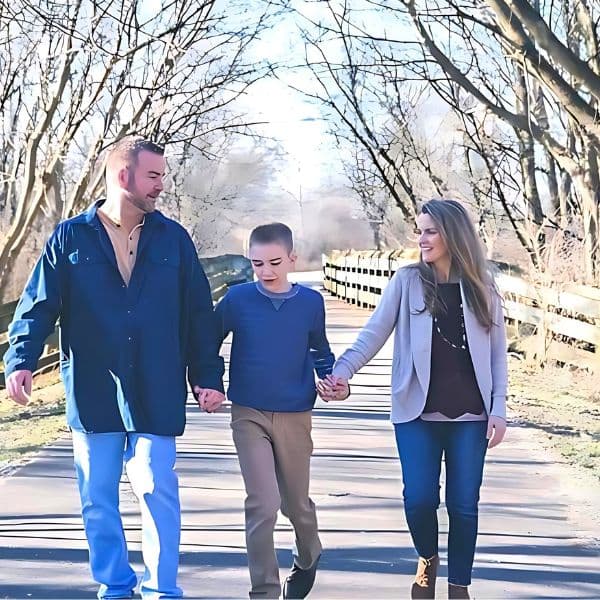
(220,201)
(373,199)
(375,112)
(551,104)
(357,88)
(76,76)
(523,79)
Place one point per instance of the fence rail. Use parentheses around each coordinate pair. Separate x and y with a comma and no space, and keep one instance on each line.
(560,322)
(221,271)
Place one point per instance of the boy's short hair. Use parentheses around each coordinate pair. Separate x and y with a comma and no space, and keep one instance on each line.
(278,233)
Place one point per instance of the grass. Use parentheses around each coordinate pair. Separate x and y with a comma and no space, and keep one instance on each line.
(24,429)
(563,404)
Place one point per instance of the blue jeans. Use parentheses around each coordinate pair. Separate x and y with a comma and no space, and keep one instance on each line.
(150,462)
(421,445)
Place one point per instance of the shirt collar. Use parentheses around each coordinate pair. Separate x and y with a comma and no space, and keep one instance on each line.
(91,215)
(278,295)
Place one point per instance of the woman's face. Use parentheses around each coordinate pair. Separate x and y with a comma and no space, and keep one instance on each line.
(432,245)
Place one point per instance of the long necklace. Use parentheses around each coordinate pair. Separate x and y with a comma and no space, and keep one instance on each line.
(463,345)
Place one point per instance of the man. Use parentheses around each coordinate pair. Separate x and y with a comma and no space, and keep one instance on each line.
(135,313)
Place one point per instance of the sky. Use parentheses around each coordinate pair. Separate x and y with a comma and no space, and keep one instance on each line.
(308,184)
(295,121)
(292,119)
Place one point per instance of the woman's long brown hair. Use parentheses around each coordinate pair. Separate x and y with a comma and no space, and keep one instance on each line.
(468,261)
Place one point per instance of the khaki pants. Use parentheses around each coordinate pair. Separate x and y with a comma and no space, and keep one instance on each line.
(274,450)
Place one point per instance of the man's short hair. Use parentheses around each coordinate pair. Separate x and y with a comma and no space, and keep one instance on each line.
(273,233)
(125,151)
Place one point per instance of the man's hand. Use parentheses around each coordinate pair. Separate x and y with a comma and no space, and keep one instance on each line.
(208,400)
(18,386)
(333,388)
(495,430)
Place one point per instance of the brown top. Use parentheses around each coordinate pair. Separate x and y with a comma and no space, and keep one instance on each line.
(124,244)
(453,389)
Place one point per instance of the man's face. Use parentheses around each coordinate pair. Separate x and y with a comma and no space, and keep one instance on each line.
(271,264)
(145,180)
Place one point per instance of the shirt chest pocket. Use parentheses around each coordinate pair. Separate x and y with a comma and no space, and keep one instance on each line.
(163,258)
(79,259)
(162,273)
(91,276)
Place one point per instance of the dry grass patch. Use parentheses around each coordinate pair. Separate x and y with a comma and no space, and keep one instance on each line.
(24,429)
(563,404)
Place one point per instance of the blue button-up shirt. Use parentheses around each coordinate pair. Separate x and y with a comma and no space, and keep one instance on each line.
(125,349)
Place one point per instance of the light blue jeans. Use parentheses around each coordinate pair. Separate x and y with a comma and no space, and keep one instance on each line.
(150,462)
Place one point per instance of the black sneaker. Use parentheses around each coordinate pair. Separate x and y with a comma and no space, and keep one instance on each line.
(300,581)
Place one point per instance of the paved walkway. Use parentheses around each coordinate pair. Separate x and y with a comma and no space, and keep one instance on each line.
(531,544)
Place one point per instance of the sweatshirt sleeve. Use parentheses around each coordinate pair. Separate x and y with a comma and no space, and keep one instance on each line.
(223,314)
(320,350)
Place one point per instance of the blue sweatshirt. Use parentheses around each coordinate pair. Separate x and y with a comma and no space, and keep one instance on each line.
(276,346)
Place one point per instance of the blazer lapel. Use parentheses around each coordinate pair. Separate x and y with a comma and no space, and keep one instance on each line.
(420,333)
(479,345)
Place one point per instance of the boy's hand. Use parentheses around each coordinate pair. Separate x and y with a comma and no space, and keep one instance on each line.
(208,400)
(333,388)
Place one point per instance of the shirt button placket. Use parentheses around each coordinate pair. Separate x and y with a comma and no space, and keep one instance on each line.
(130,350)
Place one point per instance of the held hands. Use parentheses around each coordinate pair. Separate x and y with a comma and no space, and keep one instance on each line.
(208,400)
(495,430)
(333,388)
(18,386)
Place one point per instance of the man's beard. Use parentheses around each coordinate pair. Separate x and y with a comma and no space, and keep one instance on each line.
(143,203)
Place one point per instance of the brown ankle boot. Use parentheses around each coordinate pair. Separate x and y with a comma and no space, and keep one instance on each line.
(458,592)
(424,585)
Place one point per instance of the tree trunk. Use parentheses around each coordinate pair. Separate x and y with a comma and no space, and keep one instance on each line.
(589,207)
(376,229)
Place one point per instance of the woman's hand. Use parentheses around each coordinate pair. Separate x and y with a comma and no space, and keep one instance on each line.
(333,388)
(496,430)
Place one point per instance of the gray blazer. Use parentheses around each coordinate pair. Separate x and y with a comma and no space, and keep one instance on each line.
(411,365)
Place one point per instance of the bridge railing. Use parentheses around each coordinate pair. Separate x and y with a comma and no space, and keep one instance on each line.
(221,271)
(553,321)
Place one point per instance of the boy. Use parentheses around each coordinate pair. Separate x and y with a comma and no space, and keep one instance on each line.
(278,339)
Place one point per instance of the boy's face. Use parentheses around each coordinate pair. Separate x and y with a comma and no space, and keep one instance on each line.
(271,264)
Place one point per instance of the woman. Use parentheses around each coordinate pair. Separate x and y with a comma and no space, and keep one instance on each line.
(449,380)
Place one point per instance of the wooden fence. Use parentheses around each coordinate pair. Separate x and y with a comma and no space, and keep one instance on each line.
(222,271)
(560,322)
